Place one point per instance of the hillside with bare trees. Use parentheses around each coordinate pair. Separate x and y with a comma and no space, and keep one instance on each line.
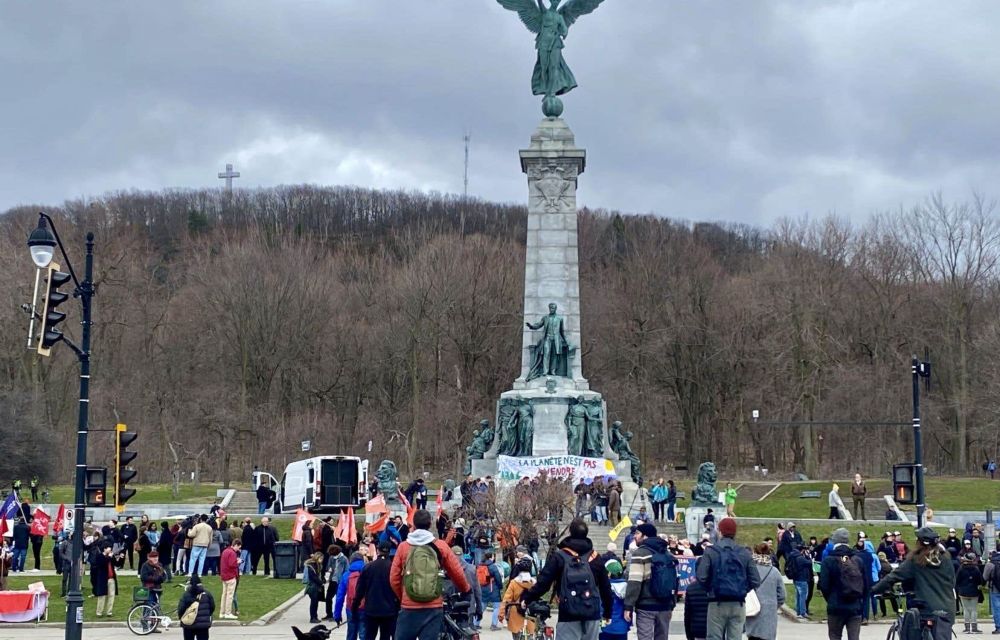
(228,329)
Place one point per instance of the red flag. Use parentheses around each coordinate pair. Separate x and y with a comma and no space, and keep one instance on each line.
(410,510)
(376,504)
(440,502)
(60,522)
(40,523)
(352,529)
(3,524)
(301,518)
(379,524)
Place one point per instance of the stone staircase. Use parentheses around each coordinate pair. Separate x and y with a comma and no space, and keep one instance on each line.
(600,536)
(243,502)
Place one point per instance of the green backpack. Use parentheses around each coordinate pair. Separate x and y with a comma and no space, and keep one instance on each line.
(422,573)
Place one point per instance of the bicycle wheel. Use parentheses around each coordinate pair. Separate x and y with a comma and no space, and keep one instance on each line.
(143,619)
(892,631)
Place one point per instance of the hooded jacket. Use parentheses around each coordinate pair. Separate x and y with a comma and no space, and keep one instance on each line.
(450,564)
(508,607)
(829,580)
(968,580)
(374,590)
(353,570)
(639,595)
(552,572)
(206,606)
(933,582)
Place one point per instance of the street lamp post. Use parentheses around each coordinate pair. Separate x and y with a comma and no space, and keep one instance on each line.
(41,243)
(920,370)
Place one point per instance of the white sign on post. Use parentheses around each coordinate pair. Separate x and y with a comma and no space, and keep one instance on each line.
(306,445)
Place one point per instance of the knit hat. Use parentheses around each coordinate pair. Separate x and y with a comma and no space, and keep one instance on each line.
(841,536)
(614,568)
(612,547)
(647,530)
(882,557)
(154,554)
(727,527)
(970,557)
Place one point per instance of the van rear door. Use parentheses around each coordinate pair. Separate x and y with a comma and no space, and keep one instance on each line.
(339,482)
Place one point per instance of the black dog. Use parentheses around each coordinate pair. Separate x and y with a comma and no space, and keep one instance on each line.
(319,632)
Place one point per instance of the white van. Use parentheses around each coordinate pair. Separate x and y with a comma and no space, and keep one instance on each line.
(322,484)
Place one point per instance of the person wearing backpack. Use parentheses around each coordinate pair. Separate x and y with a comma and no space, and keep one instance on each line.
(652,584)
(490,579)
(346,590)
(381,604)
(576,573)
(416,581)
(727,572)
(844,581)
(196,607)
(930,570)
(991,575)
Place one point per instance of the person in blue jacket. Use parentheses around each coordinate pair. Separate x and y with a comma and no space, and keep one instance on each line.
(345,591)
(619,627)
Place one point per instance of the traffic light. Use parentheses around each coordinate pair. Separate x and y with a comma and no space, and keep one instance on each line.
(123,473)
(49,335)
(95,487)
(904,483)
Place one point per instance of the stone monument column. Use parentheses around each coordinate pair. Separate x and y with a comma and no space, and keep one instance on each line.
(552,266)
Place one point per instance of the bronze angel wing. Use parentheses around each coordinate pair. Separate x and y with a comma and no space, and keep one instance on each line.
(527,10)
(576,8)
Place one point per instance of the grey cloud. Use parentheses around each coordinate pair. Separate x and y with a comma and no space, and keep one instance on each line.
(735,111)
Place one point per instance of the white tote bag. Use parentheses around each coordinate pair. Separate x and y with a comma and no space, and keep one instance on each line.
(752,602)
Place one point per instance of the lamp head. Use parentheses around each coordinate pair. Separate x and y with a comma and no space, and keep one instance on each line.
(42,244)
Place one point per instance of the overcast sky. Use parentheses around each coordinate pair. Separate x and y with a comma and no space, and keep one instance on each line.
(704,110)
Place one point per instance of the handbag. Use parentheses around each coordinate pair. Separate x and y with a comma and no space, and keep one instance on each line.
(191,613)
(752,602)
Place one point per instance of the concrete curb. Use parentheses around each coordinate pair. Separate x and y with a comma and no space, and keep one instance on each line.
(276,612)
(264,620)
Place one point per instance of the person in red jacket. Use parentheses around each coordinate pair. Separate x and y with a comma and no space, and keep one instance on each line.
(229,571)
(422,620)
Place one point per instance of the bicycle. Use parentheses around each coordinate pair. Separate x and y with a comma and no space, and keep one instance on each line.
(146,616)
(913,618)
(538,612)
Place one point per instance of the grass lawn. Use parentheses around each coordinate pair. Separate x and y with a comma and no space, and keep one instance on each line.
(146,493)
(256,595)
(943,494)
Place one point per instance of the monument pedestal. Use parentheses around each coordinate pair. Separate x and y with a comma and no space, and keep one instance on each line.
(551,382)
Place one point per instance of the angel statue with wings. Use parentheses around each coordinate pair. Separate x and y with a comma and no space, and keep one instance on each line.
(552,76)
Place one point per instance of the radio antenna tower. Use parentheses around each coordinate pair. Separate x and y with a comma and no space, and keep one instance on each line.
(465,188)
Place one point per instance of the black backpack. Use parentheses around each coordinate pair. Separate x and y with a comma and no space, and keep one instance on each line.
(579,598)
(729,575)
(852,579)
(663,577)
